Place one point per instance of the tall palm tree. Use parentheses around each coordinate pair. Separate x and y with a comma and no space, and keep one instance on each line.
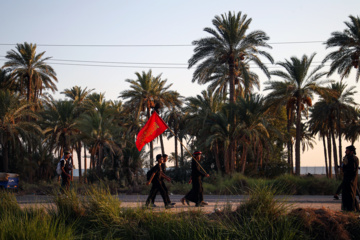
(335,108)
(352,130)
(348,54)
(319,124)
(78,96)
(59,124)
(30,71)
(173,120)
(253,125)
(13,124)
(99,130)
(302,84)
(145,92)
(5,82)
(279,97)
(197,112)
(230,43)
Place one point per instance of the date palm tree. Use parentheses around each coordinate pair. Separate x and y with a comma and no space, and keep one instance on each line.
(59,124)
(279,97)
(230,44)
(348,54)
(78,96)
(335,108)
(302,84)
(99,131)
(146,91)
(30,71)
(13,124)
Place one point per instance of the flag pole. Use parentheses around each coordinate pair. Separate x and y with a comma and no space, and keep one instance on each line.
(156,109)
(187,150)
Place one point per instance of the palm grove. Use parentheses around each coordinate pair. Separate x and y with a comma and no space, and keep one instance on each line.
(236,128)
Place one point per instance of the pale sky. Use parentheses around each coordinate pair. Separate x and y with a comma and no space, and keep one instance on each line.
(120,25)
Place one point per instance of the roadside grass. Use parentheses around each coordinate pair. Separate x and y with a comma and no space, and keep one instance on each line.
(98,215)
(217,185)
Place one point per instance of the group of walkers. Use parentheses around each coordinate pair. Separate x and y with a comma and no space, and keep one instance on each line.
(157,180)
(348,186)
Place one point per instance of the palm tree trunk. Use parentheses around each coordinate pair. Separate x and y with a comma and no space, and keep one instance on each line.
(339,132)
(289,143)
(232,147)
(217,160)
(85,165)
(335,154)
(5,156)
(78,152)
(243,162)
(151,143)
(298,138)
(100,159)
(162,145)
(182,162)
(325,155)
(176,151)
(226,159)
(329,152)
(29,90)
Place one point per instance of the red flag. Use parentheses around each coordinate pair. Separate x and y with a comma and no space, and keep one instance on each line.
(153,128)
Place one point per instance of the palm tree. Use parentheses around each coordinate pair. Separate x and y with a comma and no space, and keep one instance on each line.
(253,126)
(59,124)
(78,96)
(173,120)
(30,71)
(197,112)
(302,84)
(13,124)
(99,130)
(335,108)
(279,97)
(348,54)
(352,130)
(146,91)
(5,82)
(229,44)
(319,123)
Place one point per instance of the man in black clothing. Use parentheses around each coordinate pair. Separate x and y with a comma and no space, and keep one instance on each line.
(158,184)
(349,184)
(163,166)
(65,171)
(196,193)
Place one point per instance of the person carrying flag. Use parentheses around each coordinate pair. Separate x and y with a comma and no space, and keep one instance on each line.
(196,193)
(156,179)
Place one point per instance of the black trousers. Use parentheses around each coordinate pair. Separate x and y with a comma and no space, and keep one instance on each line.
(155,188)
(167,193)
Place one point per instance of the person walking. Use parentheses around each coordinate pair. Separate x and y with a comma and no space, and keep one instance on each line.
(196,193)
(65,171)
(349,184)
(157,184)
(163,166)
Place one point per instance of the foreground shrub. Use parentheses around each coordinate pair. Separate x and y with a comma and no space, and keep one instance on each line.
(8,203)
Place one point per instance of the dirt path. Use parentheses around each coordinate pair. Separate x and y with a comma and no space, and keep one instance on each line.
(215,202)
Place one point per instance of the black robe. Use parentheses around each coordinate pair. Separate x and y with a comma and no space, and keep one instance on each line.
(196,193)
(349,184)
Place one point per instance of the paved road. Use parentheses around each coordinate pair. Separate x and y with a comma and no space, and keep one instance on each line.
(215,201)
